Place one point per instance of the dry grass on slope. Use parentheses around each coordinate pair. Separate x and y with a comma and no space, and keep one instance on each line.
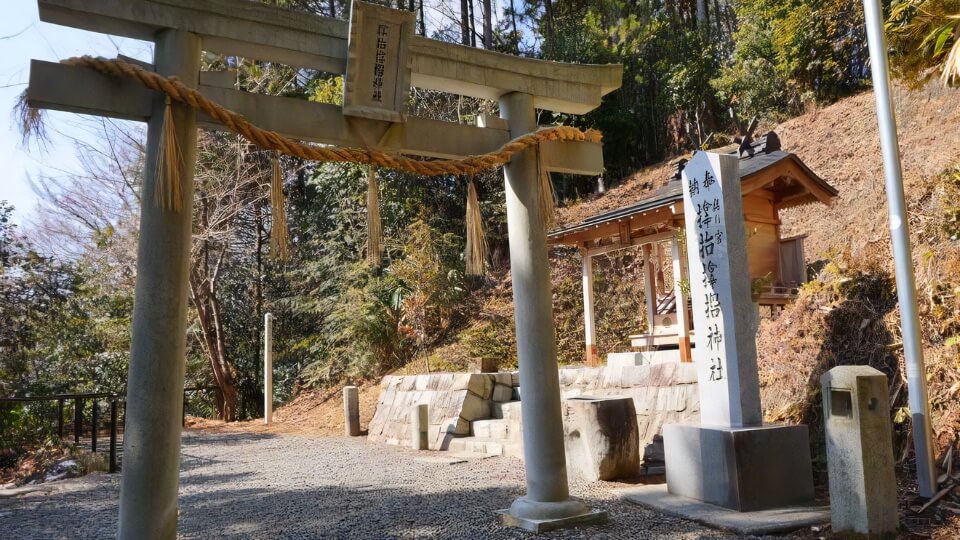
(315,413)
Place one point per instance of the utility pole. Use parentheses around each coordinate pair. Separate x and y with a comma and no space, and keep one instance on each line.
(902,258)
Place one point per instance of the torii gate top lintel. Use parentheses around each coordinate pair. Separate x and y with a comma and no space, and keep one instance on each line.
(247,28)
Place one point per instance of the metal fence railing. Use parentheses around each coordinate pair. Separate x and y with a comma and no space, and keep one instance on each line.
(85,412)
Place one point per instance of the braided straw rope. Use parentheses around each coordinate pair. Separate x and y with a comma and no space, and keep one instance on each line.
(274,141)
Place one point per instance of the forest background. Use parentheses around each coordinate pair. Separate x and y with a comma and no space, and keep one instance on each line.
(695,73)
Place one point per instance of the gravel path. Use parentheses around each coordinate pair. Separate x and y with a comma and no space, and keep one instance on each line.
(239,485)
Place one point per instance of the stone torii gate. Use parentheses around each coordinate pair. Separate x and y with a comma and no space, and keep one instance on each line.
(181,30)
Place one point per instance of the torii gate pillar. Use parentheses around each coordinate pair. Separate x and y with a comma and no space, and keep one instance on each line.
(151,442)
(547,504)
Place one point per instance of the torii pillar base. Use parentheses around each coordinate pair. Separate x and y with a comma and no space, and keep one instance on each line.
(538,517)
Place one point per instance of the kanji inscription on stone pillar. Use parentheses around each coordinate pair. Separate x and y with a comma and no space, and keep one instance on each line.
(724,316)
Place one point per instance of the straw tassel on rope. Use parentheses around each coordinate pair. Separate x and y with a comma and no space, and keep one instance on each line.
(547,196)
(278,236)
(374,227)
(167,188)
(476,252)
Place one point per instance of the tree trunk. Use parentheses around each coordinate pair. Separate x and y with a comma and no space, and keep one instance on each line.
(516,35)
(423,21)
(203,292)
(487,25)
(465,22)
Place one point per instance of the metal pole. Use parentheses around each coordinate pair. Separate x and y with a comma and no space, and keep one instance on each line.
(93,428)
(60,419)
(151,440)
(77,419)
(903,261)
(267,368)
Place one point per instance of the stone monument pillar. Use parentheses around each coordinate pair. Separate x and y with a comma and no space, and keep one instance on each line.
(863,488)
(351,411)
(731,459)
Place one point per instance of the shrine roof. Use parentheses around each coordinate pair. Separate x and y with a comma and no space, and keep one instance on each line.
(763,165)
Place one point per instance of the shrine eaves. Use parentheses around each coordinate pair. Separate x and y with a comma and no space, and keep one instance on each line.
(372,115)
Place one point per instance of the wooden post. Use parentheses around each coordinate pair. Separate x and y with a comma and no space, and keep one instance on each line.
(151,471)
(267,368)
(681,279)
(589,322)
(649,289)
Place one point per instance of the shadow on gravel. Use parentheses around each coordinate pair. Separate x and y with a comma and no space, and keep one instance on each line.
(209,437)
(353,512)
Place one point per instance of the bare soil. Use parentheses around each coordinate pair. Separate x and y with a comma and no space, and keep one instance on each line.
(313,413)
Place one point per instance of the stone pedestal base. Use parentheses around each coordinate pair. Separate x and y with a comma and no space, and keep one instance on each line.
(539,517)
(744,469)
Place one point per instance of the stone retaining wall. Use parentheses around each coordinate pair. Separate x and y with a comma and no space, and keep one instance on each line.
(453,400)
(662,393)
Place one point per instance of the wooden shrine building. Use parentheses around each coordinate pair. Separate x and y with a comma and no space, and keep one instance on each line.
(771,180)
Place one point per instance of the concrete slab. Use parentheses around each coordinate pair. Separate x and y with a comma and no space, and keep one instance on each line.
(593,517)
(759,522)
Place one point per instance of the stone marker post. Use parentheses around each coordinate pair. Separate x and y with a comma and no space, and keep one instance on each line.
(267,368)
(863,489)
(723,313)
(547,503)
(419,422)
(351,411)
(151,441)
(731,459)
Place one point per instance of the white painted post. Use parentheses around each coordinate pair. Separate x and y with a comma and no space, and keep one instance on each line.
(267,368)
(351,411)
(649,289)
(683,318)
(419,422)
(151,442)
(723,312)
(548,494)
(589,323)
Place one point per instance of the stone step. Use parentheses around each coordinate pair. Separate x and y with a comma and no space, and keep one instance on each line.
(483,445)
(509,410)
(493,429)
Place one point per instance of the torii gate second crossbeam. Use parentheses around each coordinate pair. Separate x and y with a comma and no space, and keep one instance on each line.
(181,30)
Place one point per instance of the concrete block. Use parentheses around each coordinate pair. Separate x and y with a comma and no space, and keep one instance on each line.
(625,359)
(481,384)
(502,393)
(505,379)
(351,411)
(601,437)
(744,469)
(474,407)
(515,379)
(419,427)
(456,426)
(863,488)
(461,381)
